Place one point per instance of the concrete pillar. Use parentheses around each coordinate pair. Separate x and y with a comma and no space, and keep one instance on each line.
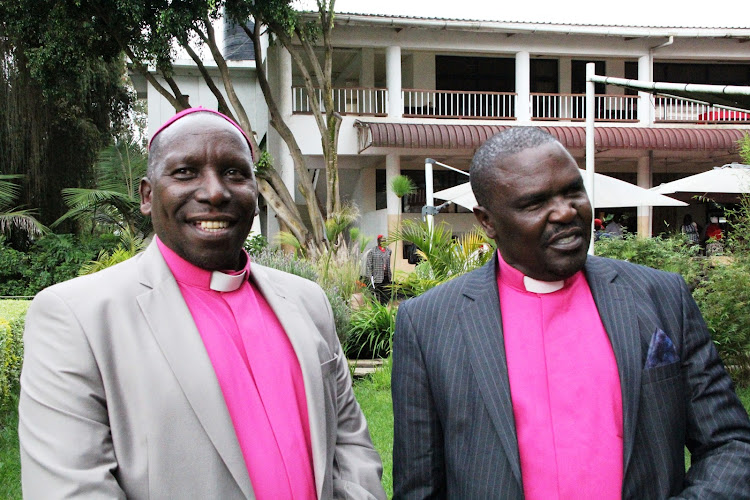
(644,213)
(393,209)
(523,87)
(565,78)
(393,81)
(645,110)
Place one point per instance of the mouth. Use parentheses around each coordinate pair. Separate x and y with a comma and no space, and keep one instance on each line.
(567,240)
(211,226)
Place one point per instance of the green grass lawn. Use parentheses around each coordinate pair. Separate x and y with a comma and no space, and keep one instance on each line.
(373,394)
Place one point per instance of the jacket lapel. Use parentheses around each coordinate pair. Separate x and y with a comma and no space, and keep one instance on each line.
(298,328)
(481,322)
(616,305)
(170,321)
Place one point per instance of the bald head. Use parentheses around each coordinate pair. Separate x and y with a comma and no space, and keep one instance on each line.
(492,153)
(182,124)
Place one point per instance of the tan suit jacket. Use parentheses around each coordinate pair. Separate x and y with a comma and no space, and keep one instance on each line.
(119,398)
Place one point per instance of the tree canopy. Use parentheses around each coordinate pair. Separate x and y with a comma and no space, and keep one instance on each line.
(62,97)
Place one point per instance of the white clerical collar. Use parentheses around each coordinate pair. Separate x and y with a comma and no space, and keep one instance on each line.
(536,286)
(222,282)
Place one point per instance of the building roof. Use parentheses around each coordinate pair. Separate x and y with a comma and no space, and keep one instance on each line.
(449,136)
(478,25)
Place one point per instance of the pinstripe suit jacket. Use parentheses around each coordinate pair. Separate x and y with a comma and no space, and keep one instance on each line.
(454,428)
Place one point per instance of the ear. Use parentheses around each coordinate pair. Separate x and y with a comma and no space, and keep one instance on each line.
(145,191)
(485,221)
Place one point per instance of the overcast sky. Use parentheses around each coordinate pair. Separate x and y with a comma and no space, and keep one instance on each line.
(721,13)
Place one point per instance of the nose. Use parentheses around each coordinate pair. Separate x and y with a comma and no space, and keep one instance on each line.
(564,210)
(213,189)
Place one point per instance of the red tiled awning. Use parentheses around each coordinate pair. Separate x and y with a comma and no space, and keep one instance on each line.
(440,136)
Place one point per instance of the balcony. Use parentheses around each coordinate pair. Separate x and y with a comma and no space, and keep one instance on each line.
(675,110)
(455,104)
(572,107)
(347,100)
(503,105)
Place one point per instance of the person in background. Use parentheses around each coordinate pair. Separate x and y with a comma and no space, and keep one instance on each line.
(552,374)
(598,229)
(378,270)
(189,371)
(690,229)
(613,229)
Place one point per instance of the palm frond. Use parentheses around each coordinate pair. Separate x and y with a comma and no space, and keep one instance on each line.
(9,190)
(23,220)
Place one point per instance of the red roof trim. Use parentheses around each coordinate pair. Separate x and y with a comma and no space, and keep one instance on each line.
(431,136)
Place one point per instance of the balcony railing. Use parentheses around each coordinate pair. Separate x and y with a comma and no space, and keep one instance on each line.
(346,100)
(610,108)
(458,104)
(673,109)
(503,105)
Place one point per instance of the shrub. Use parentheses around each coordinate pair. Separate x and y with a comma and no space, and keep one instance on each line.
(724,300)
(371,330)
(671,253)
(12,314)
(51,259)
(255,243)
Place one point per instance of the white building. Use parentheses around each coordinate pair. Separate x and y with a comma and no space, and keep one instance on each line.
(415,88)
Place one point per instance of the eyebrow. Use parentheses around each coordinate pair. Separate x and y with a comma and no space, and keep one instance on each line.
(528,199)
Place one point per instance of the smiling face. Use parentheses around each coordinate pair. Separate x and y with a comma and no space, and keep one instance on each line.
(539,213)
(201,192)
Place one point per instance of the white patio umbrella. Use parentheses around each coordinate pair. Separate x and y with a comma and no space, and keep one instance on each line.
(733,178)
(610,193)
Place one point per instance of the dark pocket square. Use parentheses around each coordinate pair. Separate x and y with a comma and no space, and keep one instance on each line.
(661,351)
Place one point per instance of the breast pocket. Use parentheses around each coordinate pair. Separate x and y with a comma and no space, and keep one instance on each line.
(660,373)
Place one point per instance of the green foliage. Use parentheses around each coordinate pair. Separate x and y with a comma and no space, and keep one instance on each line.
(113,203)
(371,330)
(671,253)
(12,313)
(16,218)
(445,257)
(51,259)
(374,397)
(129,246)
(287,263)
(255,243)
(63,95)
(738,237)
(744,148)
(263,164)
(356,236)
(724,300)
(402,185)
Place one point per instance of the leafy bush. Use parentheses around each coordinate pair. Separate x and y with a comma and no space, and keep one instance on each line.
(371,330)
(12,313)
(287,263)
(51,259)
(724,300)
(255,244)
(671,253)
(443,256)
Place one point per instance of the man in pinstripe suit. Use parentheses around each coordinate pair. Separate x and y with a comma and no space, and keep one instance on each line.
(551,374)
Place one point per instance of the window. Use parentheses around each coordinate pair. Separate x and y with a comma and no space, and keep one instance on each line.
(578,76)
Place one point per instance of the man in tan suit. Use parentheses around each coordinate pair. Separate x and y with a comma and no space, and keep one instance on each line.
(132,384)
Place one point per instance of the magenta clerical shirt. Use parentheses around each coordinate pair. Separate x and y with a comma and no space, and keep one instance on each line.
(259,376)
(564,386)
